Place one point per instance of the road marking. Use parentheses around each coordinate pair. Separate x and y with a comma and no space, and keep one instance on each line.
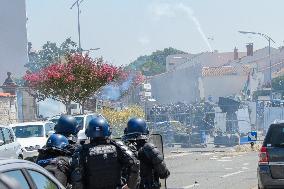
(228,168)
(207,154)
(245,168)
(213,158)
(224,160)
(177,155)
(226,157)
(245,164)
(190,186)
(231,174)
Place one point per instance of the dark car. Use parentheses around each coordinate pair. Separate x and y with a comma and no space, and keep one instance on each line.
(270,170)
(27,174)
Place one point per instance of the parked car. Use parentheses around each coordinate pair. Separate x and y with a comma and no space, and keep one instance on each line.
(270,171)
(8,183)
(32,136)
(29,175)
(9,146)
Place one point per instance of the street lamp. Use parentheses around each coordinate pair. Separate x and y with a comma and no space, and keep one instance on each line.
(269,42)
(77,3)
(88,50)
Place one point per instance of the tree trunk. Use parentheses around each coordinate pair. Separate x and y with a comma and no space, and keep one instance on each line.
(68,108)
(83,107)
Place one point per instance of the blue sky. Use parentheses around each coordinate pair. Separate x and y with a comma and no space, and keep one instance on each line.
(126,29)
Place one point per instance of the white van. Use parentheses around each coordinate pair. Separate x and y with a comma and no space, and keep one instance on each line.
(83,121)
(9,147)
(32,136)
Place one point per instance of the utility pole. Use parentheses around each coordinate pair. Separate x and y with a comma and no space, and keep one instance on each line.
(269,54)
(77,3)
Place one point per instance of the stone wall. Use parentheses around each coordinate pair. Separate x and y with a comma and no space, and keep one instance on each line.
(8,113)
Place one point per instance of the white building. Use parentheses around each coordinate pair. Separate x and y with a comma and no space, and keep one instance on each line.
(13,38)
(205,59)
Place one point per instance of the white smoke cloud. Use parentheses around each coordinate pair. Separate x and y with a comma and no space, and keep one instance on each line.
(160,10)
(49,108)
(190,13)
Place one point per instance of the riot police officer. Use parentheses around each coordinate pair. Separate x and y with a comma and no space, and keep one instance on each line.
(99,164)
(56,157)
(152,165)
(67,126)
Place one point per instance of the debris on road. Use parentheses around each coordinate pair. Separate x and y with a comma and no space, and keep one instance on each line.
(248,148)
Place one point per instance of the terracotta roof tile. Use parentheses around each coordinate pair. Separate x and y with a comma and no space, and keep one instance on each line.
(5,94)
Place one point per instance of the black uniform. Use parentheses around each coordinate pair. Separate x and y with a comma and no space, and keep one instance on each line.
(99,165)
(57,162)
(152,165)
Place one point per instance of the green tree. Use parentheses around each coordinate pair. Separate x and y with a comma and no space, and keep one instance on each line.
(155,63)
(278,83)
(49,53)
(152,68)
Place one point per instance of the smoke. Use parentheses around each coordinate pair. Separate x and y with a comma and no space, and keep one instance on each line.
(49,108)
(110,92)
(171,10)
(190,13)
(114,91)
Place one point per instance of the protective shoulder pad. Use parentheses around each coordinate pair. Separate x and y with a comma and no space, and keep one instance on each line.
(153,153)
(42,150)
(126,152)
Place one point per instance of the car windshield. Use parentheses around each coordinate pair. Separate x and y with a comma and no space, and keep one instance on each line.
(28,131)
(275,137)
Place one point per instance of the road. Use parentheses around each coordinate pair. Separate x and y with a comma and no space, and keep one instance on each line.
(212,170)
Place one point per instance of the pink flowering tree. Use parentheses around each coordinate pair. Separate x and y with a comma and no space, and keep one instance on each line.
(74,79)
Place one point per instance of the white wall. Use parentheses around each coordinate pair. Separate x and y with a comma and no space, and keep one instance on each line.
(271,114)
(13,38)
(177,86)
(220,119)
(222,86)
(243,120)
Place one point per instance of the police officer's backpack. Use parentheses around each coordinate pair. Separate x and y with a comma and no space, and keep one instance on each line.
(58,167)
(102,167)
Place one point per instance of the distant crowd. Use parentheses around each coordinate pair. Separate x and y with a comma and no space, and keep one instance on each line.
(199,114)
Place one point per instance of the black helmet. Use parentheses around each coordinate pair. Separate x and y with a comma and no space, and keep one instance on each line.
(136,129)
(98,128)
(57,141)
(66,125)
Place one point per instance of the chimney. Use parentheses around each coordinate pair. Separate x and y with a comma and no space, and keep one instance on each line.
(249,49)
(236,54)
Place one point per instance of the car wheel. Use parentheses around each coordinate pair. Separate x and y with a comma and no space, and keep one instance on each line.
(20,156)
